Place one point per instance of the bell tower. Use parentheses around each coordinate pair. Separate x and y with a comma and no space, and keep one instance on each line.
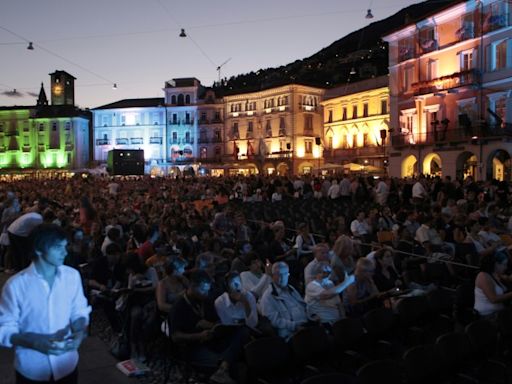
(62,88)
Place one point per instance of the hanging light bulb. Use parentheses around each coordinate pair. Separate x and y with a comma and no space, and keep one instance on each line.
(369,15)
(114,86)
(182,33)
(30,46)
(352,71)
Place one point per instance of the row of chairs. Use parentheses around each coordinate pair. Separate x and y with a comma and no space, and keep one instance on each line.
(456,357)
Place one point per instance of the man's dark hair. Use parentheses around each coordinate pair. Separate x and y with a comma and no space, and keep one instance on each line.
(487,263)
(199,277)
(45,236)
(113,248)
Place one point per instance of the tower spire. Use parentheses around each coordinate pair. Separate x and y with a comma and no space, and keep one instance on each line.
(42,99)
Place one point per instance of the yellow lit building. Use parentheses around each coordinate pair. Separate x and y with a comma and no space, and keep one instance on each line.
(451,92)
(356,118)
(276,130)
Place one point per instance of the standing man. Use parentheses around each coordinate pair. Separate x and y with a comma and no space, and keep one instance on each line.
(44,313)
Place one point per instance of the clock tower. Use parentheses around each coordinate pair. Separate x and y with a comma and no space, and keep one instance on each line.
(62,88)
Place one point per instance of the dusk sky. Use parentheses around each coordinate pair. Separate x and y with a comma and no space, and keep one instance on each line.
(135,43)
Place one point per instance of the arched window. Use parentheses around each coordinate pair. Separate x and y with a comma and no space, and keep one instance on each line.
(187,99)
(173,99)
(180,99)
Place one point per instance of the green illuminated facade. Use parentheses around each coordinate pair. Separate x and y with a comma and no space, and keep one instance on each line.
(45,136)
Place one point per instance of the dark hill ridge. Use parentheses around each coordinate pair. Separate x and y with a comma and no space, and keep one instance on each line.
(359,55)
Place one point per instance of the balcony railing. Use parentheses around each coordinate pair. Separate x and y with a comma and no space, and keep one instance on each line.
(155,140)
(444,83)
(190,140)
(122,141)
(350,153)
(137,140)
(451,136)
(102,142)
(41,147)
(26,148)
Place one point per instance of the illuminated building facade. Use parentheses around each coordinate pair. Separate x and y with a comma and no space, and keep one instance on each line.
(356,118)
(46,136)
(276,130)
(450,86)
(180,130)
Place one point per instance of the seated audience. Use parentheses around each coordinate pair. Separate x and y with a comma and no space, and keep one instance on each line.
(172,286)
(255,280)
(236,306)
(281,304)
(323,297)
(362,295)
(192,322)
(490,292)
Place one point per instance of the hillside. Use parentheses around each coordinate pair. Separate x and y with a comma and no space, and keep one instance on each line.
(362,50)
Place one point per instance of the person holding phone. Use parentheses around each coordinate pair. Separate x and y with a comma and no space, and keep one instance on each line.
(44,313)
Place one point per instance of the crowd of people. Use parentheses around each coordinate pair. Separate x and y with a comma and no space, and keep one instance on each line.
(212,263)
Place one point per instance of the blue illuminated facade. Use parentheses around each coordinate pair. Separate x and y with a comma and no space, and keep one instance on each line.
(184,128)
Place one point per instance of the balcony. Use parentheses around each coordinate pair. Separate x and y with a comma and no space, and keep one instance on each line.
(26,148)
(155,140)
(190,140)
(352,153)
(406,53)
(451,136)
(122,141)
(102,142)
(204,121)
(309,108)
(174,141)
(41,147)
(444,83)
(216,121)
(187,122)
(69,147)
(137,140)
(12,132)
(174,122)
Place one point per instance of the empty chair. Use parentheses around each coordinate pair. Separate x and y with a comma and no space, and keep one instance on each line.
(309,345)
(348,333)
(384,371)
(422,364)
(268,358)
(454,350)
(483,335)
(330,378)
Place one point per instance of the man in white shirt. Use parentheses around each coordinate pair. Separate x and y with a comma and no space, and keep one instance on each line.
(255,280)
(282,304)
(382,192)
(359,227)
(235,306)
(419,193)
(44,313)
(334,190)
(345,189)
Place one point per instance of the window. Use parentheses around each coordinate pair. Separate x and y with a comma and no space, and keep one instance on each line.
(329,119)
(365,109)
(308,146)
(354,111)
(203,153)
(54,127)
(427,39)
(466,60)
(365,140)
(203,117)
(282,126)
(344,113)
(217,151)
(268,128)
(467,28)
(156,118)
(41,127)
(187,118)
(180,99)
(308,123)
(384,106)
(123,119)
(26,140)
(105,120)
(250,129)
(174,118)
(498,55)
(236,135)
(217,115)
(187,99)
(406,49)
(175,137)
(173,99)
(187,137)
(431,69)
(407,79)
(354,140)
(68,126)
